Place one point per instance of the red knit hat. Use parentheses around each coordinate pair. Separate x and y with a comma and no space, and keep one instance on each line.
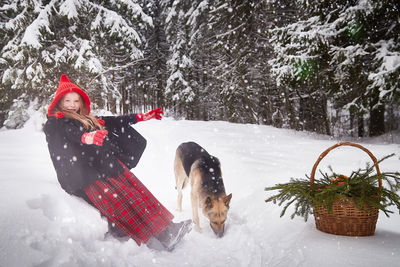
(64,87)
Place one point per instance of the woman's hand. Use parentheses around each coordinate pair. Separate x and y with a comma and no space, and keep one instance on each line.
(153,114)
(94,138)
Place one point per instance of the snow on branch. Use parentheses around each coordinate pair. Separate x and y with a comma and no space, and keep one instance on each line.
(32,33)
(389,63)
(69,9)
(137,11)
(115,23)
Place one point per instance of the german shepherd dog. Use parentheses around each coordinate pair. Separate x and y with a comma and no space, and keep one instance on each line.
(194,164)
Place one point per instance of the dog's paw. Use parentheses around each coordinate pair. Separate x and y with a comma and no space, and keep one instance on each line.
(197,228)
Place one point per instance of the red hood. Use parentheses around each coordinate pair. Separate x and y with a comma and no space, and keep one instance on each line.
(64,87)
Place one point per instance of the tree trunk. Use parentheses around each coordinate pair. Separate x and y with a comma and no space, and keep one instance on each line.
(360,125)
(325,117)
(377,117)
(377,121)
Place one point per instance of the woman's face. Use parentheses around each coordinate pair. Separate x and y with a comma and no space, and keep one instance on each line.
(71,101)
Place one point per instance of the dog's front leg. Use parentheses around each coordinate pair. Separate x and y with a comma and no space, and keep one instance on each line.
(179,187)
(194,197)
(179,200)
(195,184)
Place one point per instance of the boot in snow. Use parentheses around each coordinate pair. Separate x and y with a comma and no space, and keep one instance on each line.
(155,244)
(114,232)
(171,236)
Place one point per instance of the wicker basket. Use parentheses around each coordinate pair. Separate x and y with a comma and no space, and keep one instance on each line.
(346,219)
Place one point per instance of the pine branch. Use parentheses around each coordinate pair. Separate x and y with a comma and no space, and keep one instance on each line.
(361,187)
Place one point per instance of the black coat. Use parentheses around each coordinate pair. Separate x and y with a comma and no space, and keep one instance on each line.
(79,165)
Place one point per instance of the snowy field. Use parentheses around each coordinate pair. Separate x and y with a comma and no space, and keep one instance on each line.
(43,226)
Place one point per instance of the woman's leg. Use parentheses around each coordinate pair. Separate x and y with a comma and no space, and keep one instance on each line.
(130,206)
(132,209)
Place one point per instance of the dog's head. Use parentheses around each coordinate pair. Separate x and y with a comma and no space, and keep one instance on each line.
(216,210)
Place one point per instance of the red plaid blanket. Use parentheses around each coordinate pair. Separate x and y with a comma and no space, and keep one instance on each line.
(130,206)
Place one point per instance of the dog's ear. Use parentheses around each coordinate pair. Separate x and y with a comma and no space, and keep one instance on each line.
(227,199)
(208,203)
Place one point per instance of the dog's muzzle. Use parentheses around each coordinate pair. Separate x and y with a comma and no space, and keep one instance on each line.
(218,233)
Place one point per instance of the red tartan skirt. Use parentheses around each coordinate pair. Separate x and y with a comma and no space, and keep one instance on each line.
(130,206)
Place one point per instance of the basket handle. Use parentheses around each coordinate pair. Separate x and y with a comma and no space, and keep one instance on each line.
(323,154)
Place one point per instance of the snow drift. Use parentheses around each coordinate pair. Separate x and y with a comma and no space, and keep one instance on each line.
(43,226)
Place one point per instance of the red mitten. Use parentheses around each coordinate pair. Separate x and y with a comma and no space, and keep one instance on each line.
(94,138)
(153,114)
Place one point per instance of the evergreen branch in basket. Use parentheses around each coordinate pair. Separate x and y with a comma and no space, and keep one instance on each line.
(361,187)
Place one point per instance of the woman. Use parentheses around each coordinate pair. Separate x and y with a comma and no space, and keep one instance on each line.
(93,157)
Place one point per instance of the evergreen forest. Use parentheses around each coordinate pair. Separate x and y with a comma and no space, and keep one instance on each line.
(330,67)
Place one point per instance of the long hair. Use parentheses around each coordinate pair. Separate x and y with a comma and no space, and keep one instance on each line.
(89,122)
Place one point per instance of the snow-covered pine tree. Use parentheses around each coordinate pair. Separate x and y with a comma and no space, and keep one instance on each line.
(151,72)
(179,90)
(206,104)
(382,28)
(235,66)
(347,52)
(120,31)
(365,53)
(274,103)
(14,18)
(92,41)
(301,66)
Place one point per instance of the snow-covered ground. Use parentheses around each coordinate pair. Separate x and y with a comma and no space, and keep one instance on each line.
(43,226)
